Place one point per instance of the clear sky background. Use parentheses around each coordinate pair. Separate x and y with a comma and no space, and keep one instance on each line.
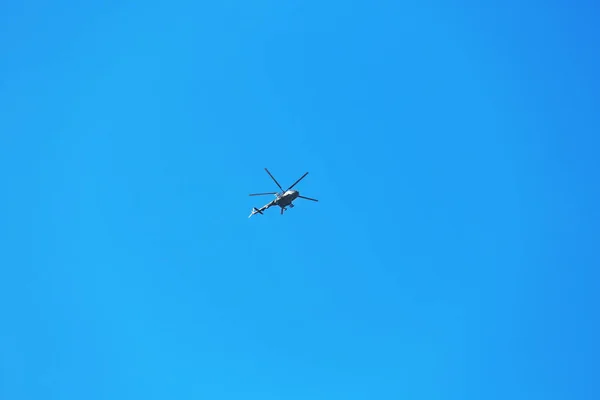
(453,146)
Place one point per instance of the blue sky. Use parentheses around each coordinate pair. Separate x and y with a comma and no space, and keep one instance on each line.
(453,148)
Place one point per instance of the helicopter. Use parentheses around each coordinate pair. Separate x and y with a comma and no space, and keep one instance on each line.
(283,199)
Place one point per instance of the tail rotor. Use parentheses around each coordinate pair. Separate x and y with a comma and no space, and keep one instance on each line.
(255,211)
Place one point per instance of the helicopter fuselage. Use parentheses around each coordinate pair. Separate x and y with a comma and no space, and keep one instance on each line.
(284,200)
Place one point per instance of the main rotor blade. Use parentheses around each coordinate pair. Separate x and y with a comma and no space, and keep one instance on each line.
(307,198)
(262,194)
(295,183)
(275,180)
